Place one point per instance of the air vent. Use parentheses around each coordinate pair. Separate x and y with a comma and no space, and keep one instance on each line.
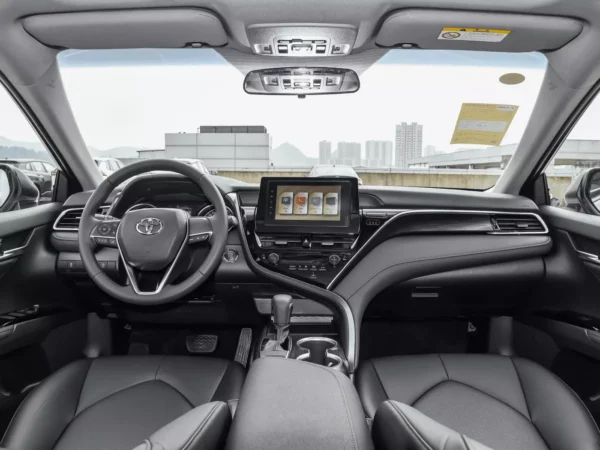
(517,223)
(69,219)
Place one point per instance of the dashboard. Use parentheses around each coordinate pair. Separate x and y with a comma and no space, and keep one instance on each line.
(328,240)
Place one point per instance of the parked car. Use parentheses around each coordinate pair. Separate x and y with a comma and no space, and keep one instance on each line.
(38,171)
(333,170)
(108,166)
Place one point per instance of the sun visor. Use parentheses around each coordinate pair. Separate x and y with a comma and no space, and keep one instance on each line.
(144,28)
(463,30)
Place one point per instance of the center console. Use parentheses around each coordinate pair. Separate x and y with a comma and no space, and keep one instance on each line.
(306,228)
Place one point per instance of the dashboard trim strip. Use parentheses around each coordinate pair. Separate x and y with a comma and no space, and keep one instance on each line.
(361,250)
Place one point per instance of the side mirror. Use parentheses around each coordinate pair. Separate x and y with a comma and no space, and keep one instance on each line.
(583,195)
(17,191)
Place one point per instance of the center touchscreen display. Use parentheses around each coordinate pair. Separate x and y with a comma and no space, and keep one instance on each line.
(311,203)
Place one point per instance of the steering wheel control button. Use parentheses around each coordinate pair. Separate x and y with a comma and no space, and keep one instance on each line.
(198,238)
(230,256)
(334,260)
(104,229)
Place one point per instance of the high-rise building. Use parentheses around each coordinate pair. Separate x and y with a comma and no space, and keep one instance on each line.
(409,143)
(378,153)
(324,152)
(347,153)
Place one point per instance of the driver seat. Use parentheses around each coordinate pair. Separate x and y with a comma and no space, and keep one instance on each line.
(117,402)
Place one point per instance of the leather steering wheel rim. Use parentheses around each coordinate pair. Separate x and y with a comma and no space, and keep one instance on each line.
(169,292)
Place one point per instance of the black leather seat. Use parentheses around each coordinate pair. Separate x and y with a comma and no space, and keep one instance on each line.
(504,403)
(118,402)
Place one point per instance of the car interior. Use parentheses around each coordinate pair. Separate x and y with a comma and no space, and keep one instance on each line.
(159,306)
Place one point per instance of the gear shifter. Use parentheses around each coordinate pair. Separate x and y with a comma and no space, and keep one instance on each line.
(281,307)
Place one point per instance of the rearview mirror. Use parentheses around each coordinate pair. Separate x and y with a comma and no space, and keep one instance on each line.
(301,81)
(17,191)
(583,195)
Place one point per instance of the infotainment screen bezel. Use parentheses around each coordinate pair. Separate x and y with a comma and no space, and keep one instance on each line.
(349,222)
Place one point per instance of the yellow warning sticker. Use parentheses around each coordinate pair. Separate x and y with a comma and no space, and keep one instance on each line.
(473,34)
(483,123)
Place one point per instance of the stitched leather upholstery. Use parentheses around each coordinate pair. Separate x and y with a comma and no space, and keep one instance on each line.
(401,427)
(203,428)
(117,402)
(502,402)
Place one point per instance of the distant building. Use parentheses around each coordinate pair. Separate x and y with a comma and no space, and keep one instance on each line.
(347,154)
(324,152)
(222,147)
(573,154)
(378,153)
(430,150)
(409,143)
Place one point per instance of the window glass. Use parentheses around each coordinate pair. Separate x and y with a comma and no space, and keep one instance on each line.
(19,145)
(578,153)
(432,118)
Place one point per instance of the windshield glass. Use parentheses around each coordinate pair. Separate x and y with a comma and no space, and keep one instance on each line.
(420,118)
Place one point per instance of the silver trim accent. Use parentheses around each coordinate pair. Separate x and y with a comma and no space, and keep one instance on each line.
(163,281)
(17,251)
(343,306)
(336,358)
(589,257)
(438,211)
(63,213)
(317,339)
(142,226)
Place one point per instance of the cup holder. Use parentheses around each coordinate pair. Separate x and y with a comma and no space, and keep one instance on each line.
(319,351)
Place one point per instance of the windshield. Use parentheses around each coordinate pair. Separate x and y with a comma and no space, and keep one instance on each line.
(420,118)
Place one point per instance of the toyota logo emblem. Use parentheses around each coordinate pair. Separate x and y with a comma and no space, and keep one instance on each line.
(149,226)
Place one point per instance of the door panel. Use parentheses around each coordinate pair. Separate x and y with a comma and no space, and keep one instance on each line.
(37,310)
(559,326)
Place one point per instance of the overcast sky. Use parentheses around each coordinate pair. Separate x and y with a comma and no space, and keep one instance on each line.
(135,105)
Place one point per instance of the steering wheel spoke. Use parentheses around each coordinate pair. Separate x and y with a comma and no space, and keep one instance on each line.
(154,244)
(200,230)
(105,232)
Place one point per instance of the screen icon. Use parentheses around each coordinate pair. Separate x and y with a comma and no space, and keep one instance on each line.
(315,203)
(331,204)
(285,203)
(301,203)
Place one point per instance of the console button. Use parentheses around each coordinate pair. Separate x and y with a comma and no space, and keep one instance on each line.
(230,256)
(273,258)
(334,260)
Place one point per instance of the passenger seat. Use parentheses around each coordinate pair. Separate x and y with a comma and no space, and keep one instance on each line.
(502,402)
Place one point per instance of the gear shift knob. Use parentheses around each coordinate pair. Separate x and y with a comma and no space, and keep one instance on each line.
(281,307)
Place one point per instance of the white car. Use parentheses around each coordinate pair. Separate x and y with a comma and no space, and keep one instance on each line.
(108,166)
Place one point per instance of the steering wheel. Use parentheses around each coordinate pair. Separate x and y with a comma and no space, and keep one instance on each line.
(153,241)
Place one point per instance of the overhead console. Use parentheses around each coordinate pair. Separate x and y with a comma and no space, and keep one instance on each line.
(301,40)
(307,227)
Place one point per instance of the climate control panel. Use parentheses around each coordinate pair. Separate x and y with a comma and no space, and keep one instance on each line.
(317,267)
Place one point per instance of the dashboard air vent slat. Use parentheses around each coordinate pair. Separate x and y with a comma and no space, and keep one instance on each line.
(517,223)
(69,220)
